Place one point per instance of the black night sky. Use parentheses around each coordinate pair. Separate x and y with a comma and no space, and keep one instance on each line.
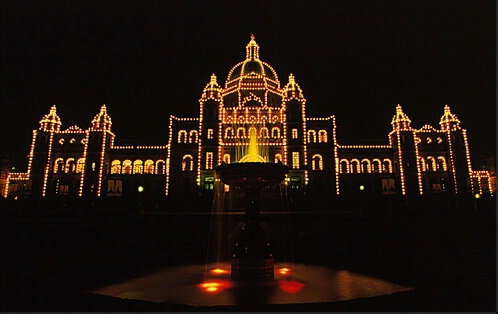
(147,60)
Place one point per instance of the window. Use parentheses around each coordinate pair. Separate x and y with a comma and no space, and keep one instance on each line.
(70,166)
(275,132)
(376,166)
(278,158)
(295,182)
(149,166)
(294,133)
(59,165)
(263,132)
(365,166)
(127,166)
(241,132)
(322,136)
(160,166)
(81,165)
(193,136)
(209,160)
(441,163)
(355,166)
(187,163)
(387,166)
(431,163)
(210,133)
(138,167)
(344,166)
(182,136)
(311,136)
(228,133)
(421,162)
(208,183)
(226,158)
(116,167)
(295,160)
(317,162)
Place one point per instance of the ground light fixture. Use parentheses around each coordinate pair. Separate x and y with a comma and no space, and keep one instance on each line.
(140,189)
(362,187)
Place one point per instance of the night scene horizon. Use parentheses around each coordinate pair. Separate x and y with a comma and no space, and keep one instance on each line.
(178,156)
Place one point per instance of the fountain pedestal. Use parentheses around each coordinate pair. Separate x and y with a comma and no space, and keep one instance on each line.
(252,258)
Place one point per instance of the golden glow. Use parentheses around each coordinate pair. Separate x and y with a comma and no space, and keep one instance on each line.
(284,271)
(219,271)
(214,286)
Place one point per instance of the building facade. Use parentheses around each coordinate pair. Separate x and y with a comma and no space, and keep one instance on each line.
(251,107)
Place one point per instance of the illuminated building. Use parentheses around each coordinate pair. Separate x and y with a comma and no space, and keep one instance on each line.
(251,106)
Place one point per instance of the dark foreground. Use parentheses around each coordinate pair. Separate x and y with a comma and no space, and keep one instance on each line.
(48,262)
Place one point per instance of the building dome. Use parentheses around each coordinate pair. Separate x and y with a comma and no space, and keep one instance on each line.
(251,77)
(252,65)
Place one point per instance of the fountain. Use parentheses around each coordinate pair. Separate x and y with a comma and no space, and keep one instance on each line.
(252,280)
(252,257)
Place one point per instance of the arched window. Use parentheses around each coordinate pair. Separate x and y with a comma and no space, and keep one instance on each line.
(193,136)
(322,136)
(421,162)
(441,163)
(160,166)
(387,166)
(275,132)
(182,136)
(138,166)
(226,158)
(431,163)
(355,166)
(228,132)
(187,163)
(59,165)
(278,157)
(376,165)
(70,165)
(263,132)
(116,167)
(311,136)
(344,166)
(149,166)
(127,166)
(81,165)
(317,162)
(241,132)
(365,166)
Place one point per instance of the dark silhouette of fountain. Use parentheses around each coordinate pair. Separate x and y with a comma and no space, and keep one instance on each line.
(252,258)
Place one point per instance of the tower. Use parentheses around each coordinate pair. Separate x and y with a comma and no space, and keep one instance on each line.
(296,151)
(402,139)
(209,129)
(459,161)
(98,144)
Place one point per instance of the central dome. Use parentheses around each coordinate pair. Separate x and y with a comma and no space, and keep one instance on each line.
(252,65)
